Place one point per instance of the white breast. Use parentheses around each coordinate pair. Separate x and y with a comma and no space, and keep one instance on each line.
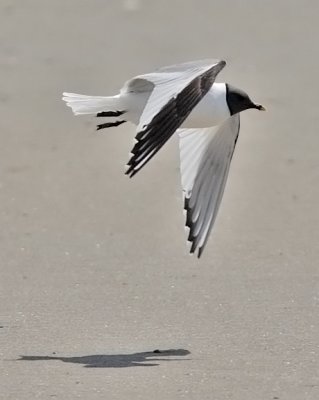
(210,111)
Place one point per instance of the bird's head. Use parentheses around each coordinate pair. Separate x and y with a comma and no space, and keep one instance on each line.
(238,100)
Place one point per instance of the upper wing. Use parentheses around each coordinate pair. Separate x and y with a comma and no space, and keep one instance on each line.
(205,159)
(176,90)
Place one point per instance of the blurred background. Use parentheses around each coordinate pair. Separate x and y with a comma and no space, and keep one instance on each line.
(94,270)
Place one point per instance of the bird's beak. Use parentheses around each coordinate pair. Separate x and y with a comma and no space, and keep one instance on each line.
(260,107)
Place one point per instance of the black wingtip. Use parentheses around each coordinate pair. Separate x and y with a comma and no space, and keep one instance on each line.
(193,247)
(188,221)
(130,172)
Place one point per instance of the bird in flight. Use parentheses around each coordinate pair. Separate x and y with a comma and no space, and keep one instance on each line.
(185,99)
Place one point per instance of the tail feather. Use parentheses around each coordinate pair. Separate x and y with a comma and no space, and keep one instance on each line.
(82,104)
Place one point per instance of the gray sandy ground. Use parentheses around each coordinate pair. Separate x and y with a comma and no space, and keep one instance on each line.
(95,273)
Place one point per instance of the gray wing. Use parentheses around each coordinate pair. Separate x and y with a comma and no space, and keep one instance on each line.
(205,160)
(176,90)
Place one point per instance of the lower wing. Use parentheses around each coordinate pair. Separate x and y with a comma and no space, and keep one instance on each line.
(205,156)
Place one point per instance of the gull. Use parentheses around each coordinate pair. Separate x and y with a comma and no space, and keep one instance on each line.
(182,99)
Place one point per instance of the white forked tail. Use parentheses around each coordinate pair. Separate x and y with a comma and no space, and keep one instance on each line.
(82,104)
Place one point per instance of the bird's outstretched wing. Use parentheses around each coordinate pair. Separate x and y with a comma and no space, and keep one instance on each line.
(205,156)
(174,92)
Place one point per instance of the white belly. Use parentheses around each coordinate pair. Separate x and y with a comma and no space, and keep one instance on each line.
(211,110)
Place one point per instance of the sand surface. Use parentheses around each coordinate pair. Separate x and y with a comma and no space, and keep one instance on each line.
(94,270)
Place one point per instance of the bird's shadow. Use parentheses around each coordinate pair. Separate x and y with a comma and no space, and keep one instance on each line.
(145,359)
